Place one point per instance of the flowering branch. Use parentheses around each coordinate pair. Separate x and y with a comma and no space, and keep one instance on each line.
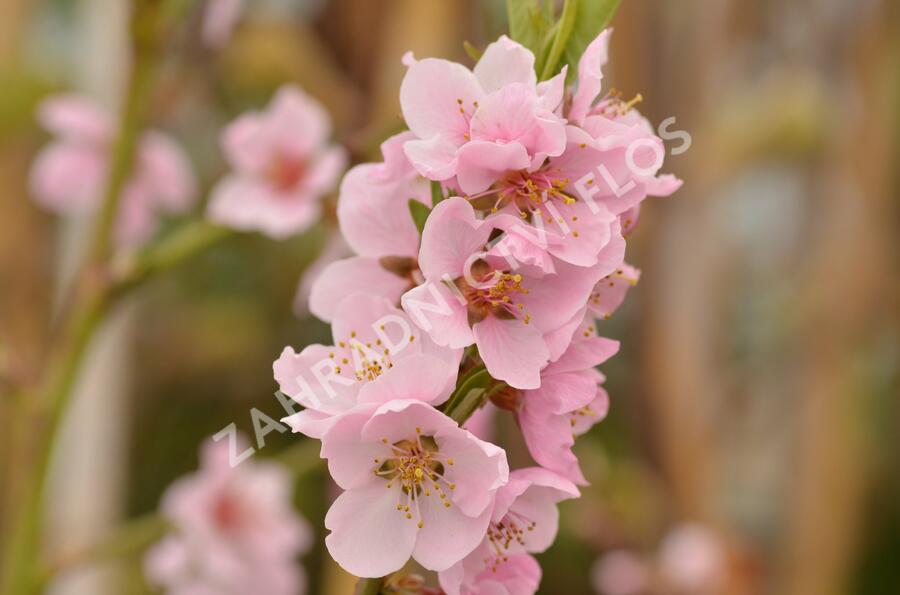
(503,250)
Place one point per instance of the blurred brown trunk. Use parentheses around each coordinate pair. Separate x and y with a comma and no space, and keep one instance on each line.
(679,333)
(850,272)
(24,270)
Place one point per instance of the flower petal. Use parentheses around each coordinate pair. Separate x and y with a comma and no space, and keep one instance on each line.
(481,163)
(447,535)
(353,275)
(368,537)
(590,76)
(437,98)
(451,235)
(503,62)
(513,351)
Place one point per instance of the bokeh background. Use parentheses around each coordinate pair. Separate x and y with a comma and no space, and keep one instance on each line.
(757,389)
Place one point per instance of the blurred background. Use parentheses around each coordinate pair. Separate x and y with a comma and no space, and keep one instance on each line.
(756,394)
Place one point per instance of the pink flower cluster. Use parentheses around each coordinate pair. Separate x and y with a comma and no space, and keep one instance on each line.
(235,531)
(68,176)
(282,165)
(528,189)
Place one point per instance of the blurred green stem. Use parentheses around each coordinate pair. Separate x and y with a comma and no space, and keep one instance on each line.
(369,586)
(40,413)
(125,540)
(180,245)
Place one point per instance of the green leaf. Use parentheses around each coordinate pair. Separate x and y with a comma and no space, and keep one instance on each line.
(437,194)
(593,17)
(419,213)
(467,396)
(529,23)
(564,29)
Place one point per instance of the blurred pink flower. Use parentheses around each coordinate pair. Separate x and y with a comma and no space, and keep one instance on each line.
(373,213)
(376,357)
(621,572)
(525,520)
(69,175)
(568,402)
(477,124)
(441,483)
(282,167)
(692,560)
(235,530)
(509,313)
(219,20)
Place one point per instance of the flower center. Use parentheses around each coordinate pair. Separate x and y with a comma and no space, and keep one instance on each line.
(370,360)
(494,293)
(416,468)
(529,192)
(613,106)
(511,529)
(227,513)
(286,171)
(507,398)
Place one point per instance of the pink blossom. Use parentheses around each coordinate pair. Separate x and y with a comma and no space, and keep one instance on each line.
(621,572)
(610,292)
(692,559)
(374,218)
(525,520)
(282,166)
(567,403)
(219,20)
(235,530)
(618,138)
(416,485)
(520,574)
(376,357)
(579,231)
(473,295)
(69,175)
(476,124)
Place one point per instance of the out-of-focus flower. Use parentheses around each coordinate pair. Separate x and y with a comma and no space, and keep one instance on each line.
(525,520)
(415,483)
(373,213)
(509,313)
(621,572)
(569,401)
(692,560)
(376,357)
(235,531)
(69,175)
(219,20)
(282,167)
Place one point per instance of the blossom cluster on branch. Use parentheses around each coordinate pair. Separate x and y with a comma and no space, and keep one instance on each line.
(488,242)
